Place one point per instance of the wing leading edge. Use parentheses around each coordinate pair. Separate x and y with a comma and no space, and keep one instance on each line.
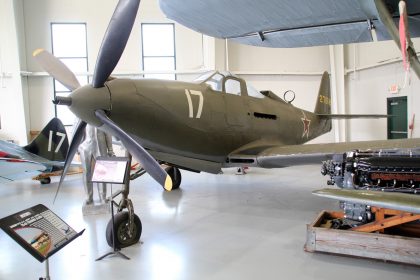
(289,155)
(398,201)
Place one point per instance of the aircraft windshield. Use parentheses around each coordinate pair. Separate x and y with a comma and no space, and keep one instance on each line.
(204,76)
(215,79)
(215,82)
(254,92)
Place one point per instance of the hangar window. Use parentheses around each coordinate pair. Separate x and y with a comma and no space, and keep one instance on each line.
(158,49)
(69,45)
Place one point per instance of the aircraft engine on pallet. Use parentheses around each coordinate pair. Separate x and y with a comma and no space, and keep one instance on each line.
(396,170)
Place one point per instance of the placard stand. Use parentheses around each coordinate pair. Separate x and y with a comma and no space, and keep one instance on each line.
(47,271)
(40,232)
(114,170)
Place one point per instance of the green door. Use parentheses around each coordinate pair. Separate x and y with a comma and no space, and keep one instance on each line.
(397,125)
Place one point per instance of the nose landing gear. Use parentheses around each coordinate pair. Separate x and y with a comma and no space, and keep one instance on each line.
(125,228)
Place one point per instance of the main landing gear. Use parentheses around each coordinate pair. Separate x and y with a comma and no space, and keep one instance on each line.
(125,228)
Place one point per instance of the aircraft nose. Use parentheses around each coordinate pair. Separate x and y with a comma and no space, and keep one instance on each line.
(84,101)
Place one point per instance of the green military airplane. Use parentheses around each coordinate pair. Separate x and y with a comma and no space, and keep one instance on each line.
(289,24)
(216,121)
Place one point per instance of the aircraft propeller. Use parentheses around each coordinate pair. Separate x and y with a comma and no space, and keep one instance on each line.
(56,68)
(113,45)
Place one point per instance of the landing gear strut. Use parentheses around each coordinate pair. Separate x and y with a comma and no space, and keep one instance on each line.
(124,229)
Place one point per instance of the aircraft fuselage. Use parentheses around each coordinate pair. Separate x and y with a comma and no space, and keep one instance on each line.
(193,120)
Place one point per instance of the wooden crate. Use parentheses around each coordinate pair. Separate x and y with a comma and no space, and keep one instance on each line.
(378,246)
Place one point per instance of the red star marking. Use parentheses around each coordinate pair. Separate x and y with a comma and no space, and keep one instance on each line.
(306,124)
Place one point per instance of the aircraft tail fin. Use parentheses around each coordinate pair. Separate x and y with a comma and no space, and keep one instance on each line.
(323,104)
(52,143)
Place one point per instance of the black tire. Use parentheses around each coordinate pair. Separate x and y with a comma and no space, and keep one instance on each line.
(175,175)
(45,181)
(122,239)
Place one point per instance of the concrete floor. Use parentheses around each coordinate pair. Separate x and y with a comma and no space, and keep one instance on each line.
(215,227)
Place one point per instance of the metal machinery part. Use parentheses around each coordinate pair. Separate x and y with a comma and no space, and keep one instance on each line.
(356,212)
(396,170)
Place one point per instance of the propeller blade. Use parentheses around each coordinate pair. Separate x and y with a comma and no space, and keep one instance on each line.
(57,69)
(115,39)
(75,142)
(146,160)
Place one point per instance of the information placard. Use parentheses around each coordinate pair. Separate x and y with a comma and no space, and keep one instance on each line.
(39,231)
(110,170)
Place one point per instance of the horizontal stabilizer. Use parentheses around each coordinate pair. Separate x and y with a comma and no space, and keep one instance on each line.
(352,116)
(397,201)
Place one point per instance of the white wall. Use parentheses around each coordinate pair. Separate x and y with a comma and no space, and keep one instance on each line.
(367,90)
(13,94)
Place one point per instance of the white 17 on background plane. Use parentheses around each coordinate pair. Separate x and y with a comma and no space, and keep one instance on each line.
(46,153)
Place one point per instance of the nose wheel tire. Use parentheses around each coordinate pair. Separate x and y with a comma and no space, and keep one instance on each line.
(123,237)
(175,175)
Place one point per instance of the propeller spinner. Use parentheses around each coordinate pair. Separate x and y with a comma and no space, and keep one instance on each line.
(92,103)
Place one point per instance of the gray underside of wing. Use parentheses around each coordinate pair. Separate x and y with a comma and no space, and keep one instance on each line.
(11,170)
(288,23)
(397,201)
(21,153)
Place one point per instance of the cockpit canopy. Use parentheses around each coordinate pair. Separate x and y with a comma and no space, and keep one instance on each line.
(228,83)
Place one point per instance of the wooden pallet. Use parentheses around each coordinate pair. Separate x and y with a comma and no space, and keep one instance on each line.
(374,245)
(73,171)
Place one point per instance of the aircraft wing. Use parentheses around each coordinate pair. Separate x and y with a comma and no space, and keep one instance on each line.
(290,23)
(398,201)
(289,155)
(15,169)
(15,151)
